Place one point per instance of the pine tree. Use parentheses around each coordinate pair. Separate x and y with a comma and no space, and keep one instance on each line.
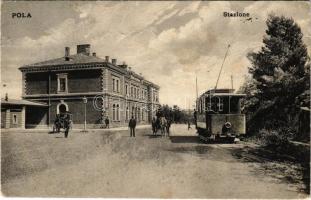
(279,71)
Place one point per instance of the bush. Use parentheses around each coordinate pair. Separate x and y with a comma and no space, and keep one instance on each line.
(276,138)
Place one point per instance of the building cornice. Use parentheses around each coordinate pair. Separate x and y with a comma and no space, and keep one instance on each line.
(80,95)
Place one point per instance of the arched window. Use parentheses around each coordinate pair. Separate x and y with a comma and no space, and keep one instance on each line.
(142,114)
(127,113)
(113,112)
(117,113)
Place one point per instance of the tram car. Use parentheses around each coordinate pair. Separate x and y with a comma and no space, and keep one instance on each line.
(219,116)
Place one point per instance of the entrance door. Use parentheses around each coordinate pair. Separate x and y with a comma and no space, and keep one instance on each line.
(62,109)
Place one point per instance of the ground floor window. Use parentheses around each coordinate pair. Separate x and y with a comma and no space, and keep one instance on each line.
(127,113)
(115,112)
(14,119)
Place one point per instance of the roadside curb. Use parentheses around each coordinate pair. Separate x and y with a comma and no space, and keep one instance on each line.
(73,130)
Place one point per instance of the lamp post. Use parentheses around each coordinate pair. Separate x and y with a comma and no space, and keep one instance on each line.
(85,102)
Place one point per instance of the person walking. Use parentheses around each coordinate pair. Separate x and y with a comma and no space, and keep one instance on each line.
(107,122)
(154,126)
(189,126)
(132,125)
(66,125)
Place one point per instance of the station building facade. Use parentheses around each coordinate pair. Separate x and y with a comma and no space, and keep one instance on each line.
(86,85)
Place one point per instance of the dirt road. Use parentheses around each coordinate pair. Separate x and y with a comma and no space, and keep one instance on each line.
(111,164)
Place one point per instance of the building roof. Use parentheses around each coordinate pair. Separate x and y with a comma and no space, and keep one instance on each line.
(73,59)
(81,60)
(22,102)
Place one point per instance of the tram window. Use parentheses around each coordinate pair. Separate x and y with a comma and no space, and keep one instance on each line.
(209,104)
(201,106)
(220,104)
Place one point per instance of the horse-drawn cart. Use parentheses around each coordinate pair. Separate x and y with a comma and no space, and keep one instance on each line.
(62,121)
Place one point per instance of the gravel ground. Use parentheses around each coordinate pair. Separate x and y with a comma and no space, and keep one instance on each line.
(112,164)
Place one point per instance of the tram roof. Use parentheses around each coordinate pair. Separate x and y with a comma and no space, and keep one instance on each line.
(224,95)
(227,94)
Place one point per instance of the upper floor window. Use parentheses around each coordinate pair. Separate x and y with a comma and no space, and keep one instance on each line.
(116,84)
(126,90)
(62,83)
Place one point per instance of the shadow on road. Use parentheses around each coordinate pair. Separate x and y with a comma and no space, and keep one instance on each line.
(185,139)
(191,149)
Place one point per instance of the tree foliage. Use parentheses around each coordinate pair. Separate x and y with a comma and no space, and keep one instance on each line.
(174,113)
(279,74)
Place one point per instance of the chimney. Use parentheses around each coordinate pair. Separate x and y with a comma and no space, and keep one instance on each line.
(107,58)
(114,61)
(67,53)
(83,49)
(94,54)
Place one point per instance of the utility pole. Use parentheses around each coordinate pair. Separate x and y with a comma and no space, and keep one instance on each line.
(196,88)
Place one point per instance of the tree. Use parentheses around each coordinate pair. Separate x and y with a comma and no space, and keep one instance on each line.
(279,72)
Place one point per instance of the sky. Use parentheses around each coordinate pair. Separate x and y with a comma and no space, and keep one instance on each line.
(169,42)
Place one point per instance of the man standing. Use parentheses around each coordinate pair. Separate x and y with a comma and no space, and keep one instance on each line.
(195,117)
(154,126)
(107,122)
(132,125)
(189,125)
(66,125)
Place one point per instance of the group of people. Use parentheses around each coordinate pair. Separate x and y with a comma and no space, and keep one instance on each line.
(158,123)
(105,123)
(62,121)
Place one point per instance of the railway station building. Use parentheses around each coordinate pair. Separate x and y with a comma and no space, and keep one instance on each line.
(90,87)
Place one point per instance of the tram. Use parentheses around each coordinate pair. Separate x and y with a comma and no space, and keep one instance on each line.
(219,115)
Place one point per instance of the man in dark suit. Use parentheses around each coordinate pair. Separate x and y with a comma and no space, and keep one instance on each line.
(107,122)
(132,125)
(66,125)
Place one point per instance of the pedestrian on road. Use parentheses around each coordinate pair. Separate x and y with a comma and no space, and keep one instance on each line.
(154,126)
(66,125)
(189,126)
(195,117)
(107,122)
(132,125)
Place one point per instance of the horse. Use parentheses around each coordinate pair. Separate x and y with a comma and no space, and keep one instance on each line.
(163,126)
(168,126)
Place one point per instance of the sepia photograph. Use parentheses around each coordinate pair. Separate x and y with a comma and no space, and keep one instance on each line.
(155,99)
